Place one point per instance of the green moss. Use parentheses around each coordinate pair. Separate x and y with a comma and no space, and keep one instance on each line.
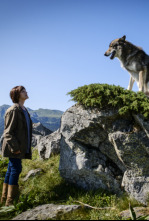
(105,96)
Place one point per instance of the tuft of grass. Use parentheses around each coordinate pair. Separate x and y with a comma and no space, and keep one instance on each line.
(49,187)
(105,96)
(124,201)
(3,169)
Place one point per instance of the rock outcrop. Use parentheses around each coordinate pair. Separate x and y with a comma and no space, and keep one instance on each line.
(101,149)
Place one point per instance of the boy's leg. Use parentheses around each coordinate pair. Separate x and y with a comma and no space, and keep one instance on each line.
(13,187)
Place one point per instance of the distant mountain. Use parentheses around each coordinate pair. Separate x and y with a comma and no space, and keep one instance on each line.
(49,118)
(2,113)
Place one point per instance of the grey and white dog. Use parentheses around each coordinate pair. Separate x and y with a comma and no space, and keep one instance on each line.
(134,60)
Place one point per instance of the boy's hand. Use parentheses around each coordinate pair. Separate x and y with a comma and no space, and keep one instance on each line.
(18,152)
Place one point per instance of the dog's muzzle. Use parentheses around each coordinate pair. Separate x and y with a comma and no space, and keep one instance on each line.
(112,55)
(105,54)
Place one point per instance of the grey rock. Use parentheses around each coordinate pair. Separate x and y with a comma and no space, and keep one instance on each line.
(101,149)
(45,212)
(32,173)
(49,145)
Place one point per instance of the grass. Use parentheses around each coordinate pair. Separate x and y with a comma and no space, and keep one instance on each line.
(49,187)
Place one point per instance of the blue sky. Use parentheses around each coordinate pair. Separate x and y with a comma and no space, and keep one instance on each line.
(54,46)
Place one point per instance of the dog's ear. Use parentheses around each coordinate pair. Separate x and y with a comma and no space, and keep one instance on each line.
(123,38)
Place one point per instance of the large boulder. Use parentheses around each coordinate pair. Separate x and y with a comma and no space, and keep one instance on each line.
(101,149)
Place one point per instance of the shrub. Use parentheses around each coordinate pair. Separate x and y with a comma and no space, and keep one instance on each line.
(107,96)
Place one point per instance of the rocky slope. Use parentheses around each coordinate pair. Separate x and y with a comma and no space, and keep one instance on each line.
(101,149)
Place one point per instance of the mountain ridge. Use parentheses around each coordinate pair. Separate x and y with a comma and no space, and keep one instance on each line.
(49,118)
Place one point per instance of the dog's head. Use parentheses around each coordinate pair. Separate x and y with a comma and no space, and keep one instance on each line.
(115,48)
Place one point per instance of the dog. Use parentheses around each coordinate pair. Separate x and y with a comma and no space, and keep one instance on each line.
(134,60)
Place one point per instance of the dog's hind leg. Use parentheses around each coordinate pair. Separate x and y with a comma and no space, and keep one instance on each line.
(131,83)
(146,90)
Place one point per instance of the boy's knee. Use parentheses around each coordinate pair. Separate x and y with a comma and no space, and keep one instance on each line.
(16,170)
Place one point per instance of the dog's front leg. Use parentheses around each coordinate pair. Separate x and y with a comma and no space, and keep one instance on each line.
(145,80)
(141,81)
(131,83)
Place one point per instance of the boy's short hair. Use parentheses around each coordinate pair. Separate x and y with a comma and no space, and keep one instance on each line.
(15,93)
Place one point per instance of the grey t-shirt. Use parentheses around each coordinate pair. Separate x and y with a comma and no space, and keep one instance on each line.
(28,128)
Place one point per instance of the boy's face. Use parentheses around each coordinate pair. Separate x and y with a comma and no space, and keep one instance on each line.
(23,95)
